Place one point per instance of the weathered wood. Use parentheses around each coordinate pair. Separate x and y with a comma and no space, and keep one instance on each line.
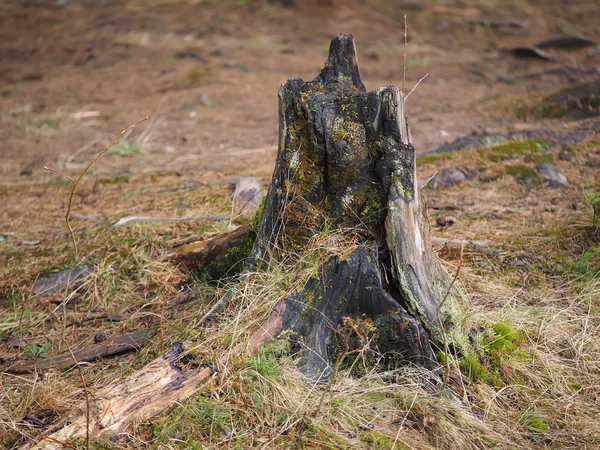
(201,253)
(352,288)
(150,391)
(345,161)
(117,345)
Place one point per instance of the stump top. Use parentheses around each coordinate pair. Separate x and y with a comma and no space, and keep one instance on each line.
(342,63)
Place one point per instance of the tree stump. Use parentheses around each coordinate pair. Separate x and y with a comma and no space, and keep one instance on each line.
(345,161)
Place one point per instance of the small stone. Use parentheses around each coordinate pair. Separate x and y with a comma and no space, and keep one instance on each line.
(565,156)
(488,176)
(520,264)
(550,172)
(445,221)
(595,163)
(56,282)
(101,337)
(456,175)
(218,53)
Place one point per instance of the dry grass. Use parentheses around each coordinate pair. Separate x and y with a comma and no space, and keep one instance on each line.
(535,387)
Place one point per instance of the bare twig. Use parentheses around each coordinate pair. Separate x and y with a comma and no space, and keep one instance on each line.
(87,396)
(131,219)
(81,175)
(404,60)
(60,173)
(56,441)
(440,322)
(82,149)
(415,86)
(147,133)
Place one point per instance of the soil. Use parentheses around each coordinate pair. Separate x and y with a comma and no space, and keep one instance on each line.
(208,73)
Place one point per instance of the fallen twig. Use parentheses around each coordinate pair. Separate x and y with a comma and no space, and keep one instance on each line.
(132,219)
(440,322)
(87,397)
(152,389)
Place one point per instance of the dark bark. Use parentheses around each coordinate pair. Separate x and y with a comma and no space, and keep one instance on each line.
(345,160)
(200,254)
(117,345)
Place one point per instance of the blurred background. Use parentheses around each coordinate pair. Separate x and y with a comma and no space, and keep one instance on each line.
(74,73)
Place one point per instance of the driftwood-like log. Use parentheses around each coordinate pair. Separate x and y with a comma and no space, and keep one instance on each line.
(202,253)
(150,391)
(345,161)
(117,345)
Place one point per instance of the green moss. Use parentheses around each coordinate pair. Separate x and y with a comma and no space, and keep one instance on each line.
(474,369)
(513,149)
(266,363)
(377,440)
(539,159)
(588,266)
(432,159)
(232,264)
(257,217)
(536,425)
(202,418)
(554,111)
(524,174)
(501,341)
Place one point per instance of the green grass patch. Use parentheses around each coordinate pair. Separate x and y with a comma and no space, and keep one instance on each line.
(513,149)
(539,159)
(524,175)
(433,159)
(126,149)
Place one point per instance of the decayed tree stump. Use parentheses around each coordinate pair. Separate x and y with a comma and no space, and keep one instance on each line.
(345,159)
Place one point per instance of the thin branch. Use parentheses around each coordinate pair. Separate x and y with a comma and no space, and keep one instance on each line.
(87,396)
(56,441)
(81,175)
(404,61)
(418,83)
(60,173)
(439,319)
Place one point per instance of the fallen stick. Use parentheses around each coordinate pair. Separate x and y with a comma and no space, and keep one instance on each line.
(201,253)
(151,390)
(132,219)
(459,243)
(496,23)
(113,346)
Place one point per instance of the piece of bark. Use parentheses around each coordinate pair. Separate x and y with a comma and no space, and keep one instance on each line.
(112,346)
(496,22)
(201,253)
(567,42)
(150,391)
(529,51)
(57,282)
(468,244)
(352,287)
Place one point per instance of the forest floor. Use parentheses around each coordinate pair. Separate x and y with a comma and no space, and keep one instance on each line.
(73,74)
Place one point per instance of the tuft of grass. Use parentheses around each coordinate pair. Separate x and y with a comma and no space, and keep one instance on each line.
(36,351)
(127,149)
